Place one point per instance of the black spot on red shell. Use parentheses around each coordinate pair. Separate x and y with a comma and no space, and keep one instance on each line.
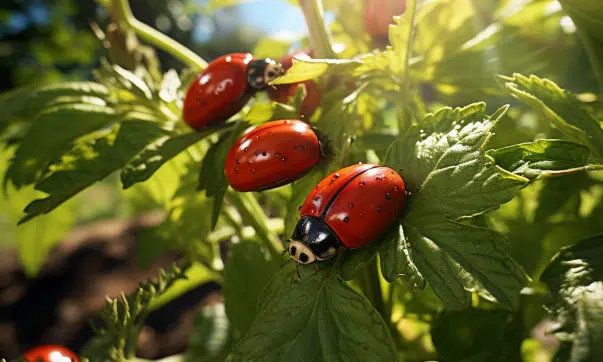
(257,154)
(252,170)
(336,176)
(297,133)
(388,195)
(277,154)
(264,153)
(346,219)
(249,163)
(378,178)
(246,149)
(238,162)
(361,215)
(378,209)
(351,206)
(284,159)
(316,198)
(362,183)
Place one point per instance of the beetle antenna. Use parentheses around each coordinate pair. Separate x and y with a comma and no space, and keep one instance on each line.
(284,251)
(297,270)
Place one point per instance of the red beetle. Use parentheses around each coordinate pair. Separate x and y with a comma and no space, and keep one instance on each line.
(350,207)
(272,155)
(283,92)
(225,86)
(50,353)
(378,14)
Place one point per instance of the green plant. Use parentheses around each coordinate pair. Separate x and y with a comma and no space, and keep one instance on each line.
(496,189)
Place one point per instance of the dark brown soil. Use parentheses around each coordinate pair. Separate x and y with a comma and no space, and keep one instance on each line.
(92,262)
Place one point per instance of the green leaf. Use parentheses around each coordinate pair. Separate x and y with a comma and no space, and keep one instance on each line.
(588,17)
(560,107)
(92,162)
(264,112)
(35,239)
(53,133)
(211,338)
(444,153)
(575,280)
(418,151)
(396,259)
(541,158)
(247,272)
(158,153)
(476,335)
(355,259)
(400,38)
(25,103)
(306,69)
(456,258)
(212,178)
(315,318)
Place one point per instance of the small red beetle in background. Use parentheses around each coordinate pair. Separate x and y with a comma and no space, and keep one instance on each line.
(50,353)
(225,86)
(378,14)
(282,93)
(350,207)
(271,155)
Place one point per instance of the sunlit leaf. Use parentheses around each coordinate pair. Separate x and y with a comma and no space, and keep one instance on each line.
(541,158)
(156,154)
(317,310)
(306,69)
(400,37)
(52,134)
(92,162)
(25,103)
(560,107)
(446,158)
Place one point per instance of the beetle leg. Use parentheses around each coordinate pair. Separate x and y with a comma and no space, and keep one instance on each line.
(297,270)
(315,267)
(285,263)
(284,251)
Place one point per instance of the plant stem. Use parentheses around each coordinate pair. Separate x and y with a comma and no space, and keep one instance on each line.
(319,36)
(373,289)
(156,38)
(252,213)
